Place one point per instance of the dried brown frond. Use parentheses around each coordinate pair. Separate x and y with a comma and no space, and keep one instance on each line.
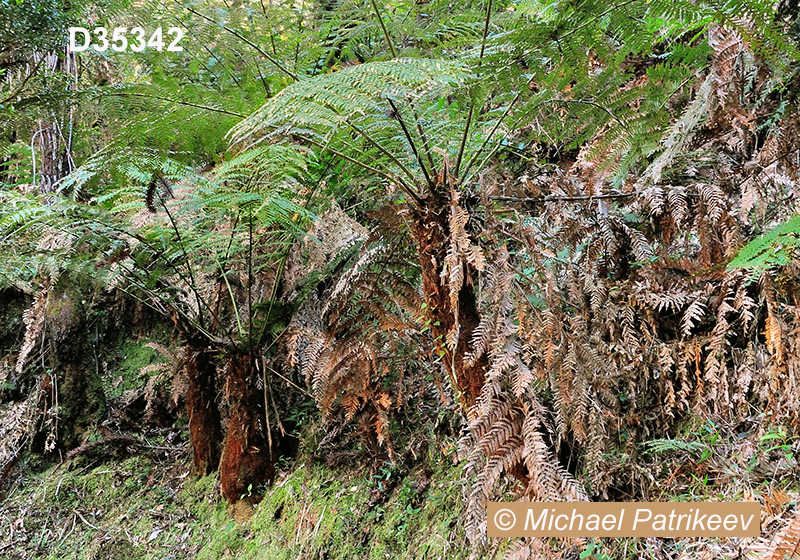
(785,544)
(34,319)
(605,325)
(362,334)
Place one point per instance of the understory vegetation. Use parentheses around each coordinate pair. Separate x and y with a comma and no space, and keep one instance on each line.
(326,281)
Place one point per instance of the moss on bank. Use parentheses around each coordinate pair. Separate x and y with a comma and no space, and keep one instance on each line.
(141,508)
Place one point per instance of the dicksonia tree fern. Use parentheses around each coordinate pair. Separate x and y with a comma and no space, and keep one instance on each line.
(201,251)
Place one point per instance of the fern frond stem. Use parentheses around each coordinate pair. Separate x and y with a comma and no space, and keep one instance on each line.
(383,150)
(274,405)
(396,180)
(261,51)
(471,100)
(273,294)
(200,324)
(223,273)
(483,163)
(193,283)
(218,304)
(508,109)
(424,138)
(233,301)
(464,136)
(282,264)
(492,132)
(209,51)
(587,102)
(385,31)
(176,101)
(266,403)
(158,254)
(763,167)
(169,307)
(595,18)
(290,382)
(160,309)
(562,198)
(485,29)
(683,83)
(428,179)
(21,87)
(275,340)
(261,77)
(230,70)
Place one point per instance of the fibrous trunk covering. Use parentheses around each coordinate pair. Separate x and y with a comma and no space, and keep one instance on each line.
(204,423)
(431,231)
(246,460)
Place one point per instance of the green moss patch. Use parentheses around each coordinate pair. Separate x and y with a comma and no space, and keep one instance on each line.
(140,508)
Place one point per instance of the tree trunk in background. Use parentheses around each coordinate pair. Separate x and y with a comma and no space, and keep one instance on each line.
(77,380)
(430,229)
(204,422)
(246,458)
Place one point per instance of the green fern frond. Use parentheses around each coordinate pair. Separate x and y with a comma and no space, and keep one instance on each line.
(319,106)
(672,445)
(777,247)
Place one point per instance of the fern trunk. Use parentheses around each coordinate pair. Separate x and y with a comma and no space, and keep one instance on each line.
(247,456)
(431,232)
(204,421)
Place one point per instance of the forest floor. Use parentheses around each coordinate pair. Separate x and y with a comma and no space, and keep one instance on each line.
(148,506)
(126,505)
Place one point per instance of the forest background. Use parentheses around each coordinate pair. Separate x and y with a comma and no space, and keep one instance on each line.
(449,252)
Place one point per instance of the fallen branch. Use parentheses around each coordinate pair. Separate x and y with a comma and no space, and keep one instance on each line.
(96,528)
(561,198)
(117,441)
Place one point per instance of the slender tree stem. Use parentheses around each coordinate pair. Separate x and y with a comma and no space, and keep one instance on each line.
(261,51)
(21,87)
(562,198)
(176,101)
